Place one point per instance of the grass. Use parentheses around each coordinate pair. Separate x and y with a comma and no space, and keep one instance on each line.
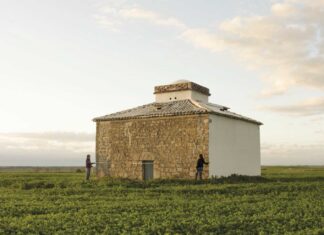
(285,200)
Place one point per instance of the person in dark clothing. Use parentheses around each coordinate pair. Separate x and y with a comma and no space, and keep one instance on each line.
(88,167)
(200,166)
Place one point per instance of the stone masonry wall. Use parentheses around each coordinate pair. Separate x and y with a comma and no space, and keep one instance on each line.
(173,143)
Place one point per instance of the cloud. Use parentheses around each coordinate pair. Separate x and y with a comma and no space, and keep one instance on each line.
(138,13)
(283,9)
(308,107)
(114,17)
(104,21)
(287,44)
(318,120)
(58,148)
(203,39)
(292,154)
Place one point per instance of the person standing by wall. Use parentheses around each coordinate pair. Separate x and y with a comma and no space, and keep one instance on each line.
(200,166)
(88,167)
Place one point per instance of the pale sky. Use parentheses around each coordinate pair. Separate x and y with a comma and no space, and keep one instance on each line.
(63,63)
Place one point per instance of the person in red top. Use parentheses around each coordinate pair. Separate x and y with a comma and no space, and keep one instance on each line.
(88,167)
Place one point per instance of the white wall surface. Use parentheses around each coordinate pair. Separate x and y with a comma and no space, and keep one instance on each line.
(234,147)
(181,95)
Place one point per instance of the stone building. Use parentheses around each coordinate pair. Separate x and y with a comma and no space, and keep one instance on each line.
(163,139)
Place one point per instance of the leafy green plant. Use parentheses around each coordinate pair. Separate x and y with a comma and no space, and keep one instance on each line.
(285,200)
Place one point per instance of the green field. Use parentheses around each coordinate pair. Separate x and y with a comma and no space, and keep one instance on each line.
(285,200)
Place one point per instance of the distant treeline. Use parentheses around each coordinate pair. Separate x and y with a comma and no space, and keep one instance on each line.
(41,169)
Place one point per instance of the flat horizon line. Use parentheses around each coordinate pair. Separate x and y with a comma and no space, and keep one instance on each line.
(57,166)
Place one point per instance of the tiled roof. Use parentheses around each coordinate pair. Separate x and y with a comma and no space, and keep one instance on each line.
(223,111)
(174,108)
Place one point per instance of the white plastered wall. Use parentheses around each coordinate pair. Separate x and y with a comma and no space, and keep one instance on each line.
(181,95)
(234,147)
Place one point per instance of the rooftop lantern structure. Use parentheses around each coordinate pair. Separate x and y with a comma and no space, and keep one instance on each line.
(181,90)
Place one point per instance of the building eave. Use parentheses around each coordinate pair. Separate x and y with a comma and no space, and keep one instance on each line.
(237,118)
(149,116)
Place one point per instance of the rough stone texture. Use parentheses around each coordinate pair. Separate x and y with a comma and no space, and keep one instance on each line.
(181,87)
(173,143)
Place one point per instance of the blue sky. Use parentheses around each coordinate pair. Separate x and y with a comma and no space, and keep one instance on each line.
(64,62)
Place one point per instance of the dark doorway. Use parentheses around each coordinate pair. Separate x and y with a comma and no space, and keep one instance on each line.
(147,170)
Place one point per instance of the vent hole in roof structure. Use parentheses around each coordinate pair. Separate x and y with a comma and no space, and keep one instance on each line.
(158,106)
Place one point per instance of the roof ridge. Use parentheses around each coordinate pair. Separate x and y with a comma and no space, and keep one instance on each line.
(198,105)
(218,106)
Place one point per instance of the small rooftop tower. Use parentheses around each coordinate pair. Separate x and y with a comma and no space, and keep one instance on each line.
(181,90)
